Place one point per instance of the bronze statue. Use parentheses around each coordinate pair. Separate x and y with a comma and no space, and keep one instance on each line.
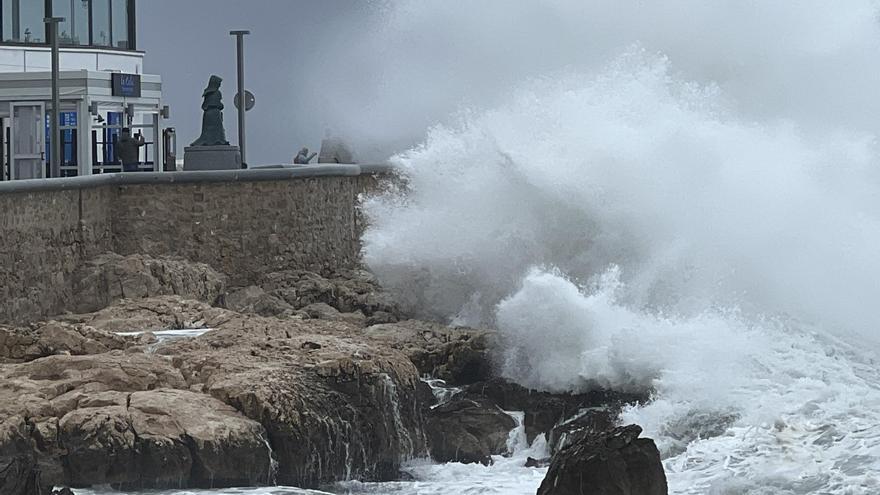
(213,133)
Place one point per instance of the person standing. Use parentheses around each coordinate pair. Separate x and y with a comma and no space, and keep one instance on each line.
(128,149)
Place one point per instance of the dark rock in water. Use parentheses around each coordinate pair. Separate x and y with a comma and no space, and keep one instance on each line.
(63,491)
(538,463)
(467,431)
(587,423)
(612,463)
(19,473)
(544,410)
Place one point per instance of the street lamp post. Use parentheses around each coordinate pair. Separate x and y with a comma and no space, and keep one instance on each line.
(55,137)
(242,144)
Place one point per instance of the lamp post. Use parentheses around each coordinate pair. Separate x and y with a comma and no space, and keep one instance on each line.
(55,136)
(242,144)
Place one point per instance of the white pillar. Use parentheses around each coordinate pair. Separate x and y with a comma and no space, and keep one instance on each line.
(84,137)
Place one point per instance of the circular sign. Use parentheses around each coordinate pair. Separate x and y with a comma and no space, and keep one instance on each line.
(249,100)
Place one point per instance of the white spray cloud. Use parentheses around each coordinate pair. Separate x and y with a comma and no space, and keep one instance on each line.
(700,180)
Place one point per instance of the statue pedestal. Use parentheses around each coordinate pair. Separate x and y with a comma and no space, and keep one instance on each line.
(211,158)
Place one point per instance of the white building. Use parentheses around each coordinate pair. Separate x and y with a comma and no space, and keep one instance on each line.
(103,88)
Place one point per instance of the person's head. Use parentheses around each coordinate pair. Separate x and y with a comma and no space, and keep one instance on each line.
(126,131)
(304,151)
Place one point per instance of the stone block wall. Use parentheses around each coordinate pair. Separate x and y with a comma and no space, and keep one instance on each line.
(43,238)
(242,223)
(243,229)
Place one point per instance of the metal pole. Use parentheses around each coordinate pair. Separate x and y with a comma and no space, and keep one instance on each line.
(55,136)
(242,142)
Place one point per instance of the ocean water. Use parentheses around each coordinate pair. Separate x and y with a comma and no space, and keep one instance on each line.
(682,196)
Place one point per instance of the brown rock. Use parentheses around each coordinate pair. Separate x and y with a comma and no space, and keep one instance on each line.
(455,355)
(111,277)
(27,344)
(348,291)
(467,431)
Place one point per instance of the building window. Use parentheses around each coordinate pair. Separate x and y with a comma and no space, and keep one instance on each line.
(23,21)
(119,23)
(100,23)
(75,28)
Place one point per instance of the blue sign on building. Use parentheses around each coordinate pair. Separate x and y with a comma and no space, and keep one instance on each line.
(128,85)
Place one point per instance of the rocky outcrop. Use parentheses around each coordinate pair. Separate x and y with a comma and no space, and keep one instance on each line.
(544,411)
(159,438)
(299,401)
(467,431)
(334,406)
(255,300)
(347,291)
(154,314)
(22,344)
(613,463)
(111,277)
(455,355)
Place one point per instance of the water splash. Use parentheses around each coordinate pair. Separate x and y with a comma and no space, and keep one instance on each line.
(272,476)
(442,392)
(405,443)
(652,221)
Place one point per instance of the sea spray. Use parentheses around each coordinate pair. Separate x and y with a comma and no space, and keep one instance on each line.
(654,221)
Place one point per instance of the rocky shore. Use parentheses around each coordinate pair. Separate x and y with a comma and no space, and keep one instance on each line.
(302,379)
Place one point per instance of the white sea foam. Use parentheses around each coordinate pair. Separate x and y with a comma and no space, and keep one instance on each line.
(699,217)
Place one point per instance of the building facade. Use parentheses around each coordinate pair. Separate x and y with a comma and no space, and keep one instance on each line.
(102,84)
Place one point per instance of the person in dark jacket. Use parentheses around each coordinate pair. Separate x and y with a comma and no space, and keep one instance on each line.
(303,157)
(128,150)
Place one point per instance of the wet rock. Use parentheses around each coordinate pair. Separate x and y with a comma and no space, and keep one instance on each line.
(335,405)
(111,277)
(587,423)
(455,355)
(612,463)
(544,410)
(467,431)
(531,462)
(162,439)
(36,396)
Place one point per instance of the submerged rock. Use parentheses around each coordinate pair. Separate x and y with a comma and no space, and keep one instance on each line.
(612,463)
(467,431)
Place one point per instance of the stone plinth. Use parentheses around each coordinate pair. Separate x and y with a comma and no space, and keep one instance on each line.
(212,158)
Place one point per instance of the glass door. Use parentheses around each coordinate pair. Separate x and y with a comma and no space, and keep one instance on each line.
(27,140)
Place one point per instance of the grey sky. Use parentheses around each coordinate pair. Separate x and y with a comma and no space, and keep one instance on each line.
(187,40)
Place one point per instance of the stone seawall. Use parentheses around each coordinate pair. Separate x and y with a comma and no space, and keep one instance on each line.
(242,223)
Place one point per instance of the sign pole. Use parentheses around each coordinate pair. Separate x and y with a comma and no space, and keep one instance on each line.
(242,143)
(55,136)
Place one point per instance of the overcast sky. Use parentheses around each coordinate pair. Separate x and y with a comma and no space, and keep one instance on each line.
(188,40)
